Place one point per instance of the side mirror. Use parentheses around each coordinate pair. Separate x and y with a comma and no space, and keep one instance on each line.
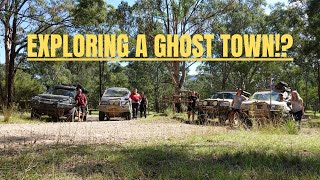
(127,99)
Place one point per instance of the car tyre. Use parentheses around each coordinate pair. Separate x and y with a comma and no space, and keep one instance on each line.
(35,115)
(129,116)
(72,116)
(102,115)
(55,118)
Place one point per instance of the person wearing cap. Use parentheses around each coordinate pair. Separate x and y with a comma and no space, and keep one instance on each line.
(236,104)
(135,99)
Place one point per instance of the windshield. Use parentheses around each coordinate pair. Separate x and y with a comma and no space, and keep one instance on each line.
(63,92)
(223,95)
(115,93)
(265,96)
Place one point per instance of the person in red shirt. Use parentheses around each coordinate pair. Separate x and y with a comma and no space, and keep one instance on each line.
(81,103)
(135,100)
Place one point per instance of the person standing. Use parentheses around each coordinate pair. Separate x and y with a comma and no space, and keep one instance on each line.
(297,107)
(143,105)
(236,104)
(192,105)
(135,100)
(81,103)
(177,103)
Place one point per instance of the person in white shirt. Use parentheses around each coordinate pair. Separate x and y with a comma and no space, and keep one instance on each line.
(297,106)
(236,104)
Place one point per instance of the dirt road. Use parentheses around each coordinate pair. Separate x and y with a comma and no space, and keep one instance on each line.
(95,132)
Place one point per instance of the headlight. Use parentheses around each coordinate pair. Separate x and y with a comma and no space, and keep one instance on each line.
(35,98)
(215,103)
(273,107)
(200,103)
(205,103)
(116,103)
(276,107)
(225,104)
(103,102)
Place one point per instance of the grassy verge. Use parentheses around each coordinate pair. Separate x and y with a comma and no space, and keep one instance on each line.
(233,155)
(20,118)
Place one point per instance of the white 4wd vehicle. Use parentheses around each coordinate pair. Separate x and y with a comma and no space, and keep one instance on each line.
(266,104)
(115,102)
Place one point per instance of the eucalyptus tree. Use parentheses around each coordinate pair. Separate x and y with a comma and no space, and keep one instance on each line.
(240,17)
(21,17)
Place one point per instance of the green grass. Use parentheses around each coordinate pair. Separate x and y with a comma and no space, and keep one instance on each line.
(265,153)
(20,118)
(236,154)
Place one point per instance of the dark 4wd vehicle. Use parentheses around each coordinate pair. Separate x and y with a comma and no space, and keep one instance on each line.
(56,102)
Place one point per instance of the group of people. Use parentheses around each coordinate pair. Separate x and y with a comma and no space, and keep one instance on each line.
(297,107)
(139,101)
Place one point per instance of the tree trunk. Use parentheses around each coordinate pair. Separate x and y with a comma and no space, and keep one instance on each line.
(307,93)
(1,90)
(156,90)
(10,83)
(100,80)
(10,60)
(7,56)
(318,86)
(224,76)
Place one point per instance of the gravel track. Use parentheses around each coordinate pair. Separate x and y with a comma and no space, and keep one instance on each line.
(95,132)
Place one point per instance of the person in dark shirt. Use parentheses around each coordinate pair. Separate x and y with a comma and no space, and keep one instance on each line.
(143,105)
(192,105)
(135,99)
(81,103)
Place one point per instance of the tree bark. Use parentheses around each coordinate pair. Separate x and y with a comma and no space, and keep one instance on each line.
(3,3)
(318,86)
(1,91)
(11,60)
(156,90)
(7,56)
(224,76)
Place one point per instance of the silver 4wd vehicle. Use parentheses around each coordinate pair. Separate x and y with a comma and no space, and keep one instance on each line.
(218,105)
(115,102)
(55,102)
(266,105)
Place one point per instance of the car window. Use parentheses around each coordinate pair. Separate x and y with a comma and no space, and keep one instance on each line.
(228,96)
(222,96)
(265,96)
(63,92)
(115,93)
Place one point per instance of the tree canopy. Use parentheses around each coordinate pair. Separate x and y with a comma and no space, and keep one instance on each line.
(20,79)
